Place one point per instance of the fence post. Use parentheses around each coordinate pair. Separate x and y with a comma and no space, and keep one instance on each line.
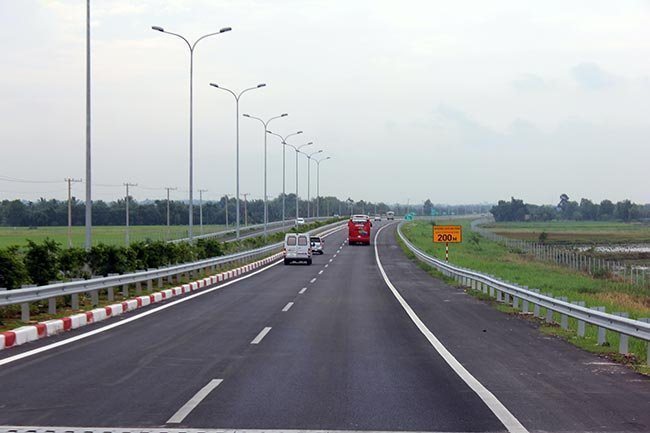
(647,359)
(24,312)
(536,308)
(74,301)
(94,298)
(602,332)
(125,290)
(622,338)
(138,288)
(549,312)
(564,319)
(581,323)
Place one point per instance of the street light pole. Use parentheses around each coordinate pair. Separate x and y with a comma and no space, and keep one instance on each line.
(309,178)
(191,47)
(318,161)
(284,144)
(89,202)
(201,191)
(127,185)
(297,149)
(226,211)
(69,180)
(237,96)
(265,124)
(245,194)
(168,228)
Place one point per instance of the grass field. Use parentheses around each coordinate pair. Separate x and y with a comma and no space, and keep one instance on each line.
(576,232)
(101,234)
(495,259)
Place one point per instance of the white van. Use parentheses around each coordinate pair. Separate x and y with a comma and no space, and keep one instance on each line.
(297,248)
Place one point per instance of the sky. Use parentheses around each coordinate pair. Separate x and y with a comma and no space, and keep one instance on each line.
(458,102)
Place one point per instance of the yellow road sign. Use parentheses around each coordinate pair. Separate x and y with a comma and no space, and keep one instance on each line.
(447,234)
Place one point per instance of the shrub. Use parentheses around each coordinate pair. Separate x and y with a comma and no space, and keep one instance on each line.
(42,261)
(12,270)
(73,263)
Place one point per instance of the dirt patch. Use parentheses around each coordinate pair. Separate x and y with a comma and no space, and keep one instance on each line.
(625,300)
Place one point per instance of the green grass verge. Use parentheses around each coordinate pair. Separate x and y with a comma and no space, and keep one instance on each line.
(576,232)
(495,259)
(113,235)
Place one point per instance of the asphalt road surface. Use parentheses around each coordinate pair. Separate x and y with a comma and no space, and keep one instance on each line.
(323,347)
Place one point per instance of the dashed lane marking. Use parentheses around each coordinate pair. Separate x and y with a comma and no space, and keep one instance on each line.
(261,335)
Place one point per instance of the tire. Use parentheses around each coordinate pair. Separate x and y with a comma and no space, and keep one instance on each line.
(286,262)
(309,262)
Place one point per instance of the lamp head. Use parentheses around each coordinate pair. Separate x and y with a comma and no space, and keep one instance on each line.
(157,28)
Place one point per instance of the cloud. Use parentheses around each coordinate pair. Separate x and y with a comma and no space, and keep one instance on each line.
(590,76)
(529,82)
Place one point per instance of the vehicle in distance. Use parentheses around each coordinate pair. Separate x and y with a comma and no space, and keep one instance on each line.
(390,215)
(300,221)
(377,217)
(359,230)
(297,248)
(317,244)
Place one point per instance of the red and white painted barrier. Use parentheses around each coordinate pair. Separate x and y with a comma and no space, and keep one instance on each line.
(26,334)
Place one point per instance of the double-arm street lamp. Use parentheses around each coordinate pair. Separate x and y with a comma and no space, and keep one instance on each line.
(266,198)
(297,149)
(237,96)
(318,161)
(309,155)
(191,46)
(284,143)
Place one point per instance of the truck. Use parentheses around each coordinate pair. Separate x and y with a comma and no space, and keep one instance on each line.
(390,215)
(359,230)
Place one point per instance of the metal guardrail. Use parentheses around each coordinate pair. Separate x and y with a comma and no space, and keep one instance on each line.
(516,295)
(25,296)
(246,229)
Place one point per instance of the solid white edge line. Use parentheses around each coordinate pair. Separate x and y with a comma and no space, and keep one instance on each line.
(32,352)
(261,335)
(303,290)
(286,307)
(185,410)
(509,421)
(129,320)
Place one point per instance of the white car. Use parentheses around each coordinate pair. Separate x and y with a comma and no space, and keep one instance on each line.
(377,217)
(300,221)
(297,248)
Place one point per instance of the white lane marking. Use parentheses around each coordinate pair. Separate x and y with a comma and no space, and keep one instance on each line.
(286,307)
(184,411)
(320,272)
(312,280)
(332,259)
(511,423)
(67,341)
(261,335)
(129,320)
(303,290)
(326,265)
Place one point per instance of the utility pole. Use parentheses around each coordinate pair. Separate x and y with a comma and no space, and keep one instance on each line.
(201,191)
(245,194)
(69,180)
(127,185)
(168,227)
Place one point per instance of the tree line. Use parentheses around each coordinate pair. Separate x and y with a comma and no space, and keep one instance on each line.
(584,210)
(43,212)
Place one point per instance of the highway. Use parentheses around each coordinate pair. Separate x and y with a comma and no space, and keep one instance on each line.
(361,340)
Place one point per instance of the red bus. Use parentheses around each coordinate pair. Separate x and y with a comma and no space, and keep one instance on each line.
(359,230)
